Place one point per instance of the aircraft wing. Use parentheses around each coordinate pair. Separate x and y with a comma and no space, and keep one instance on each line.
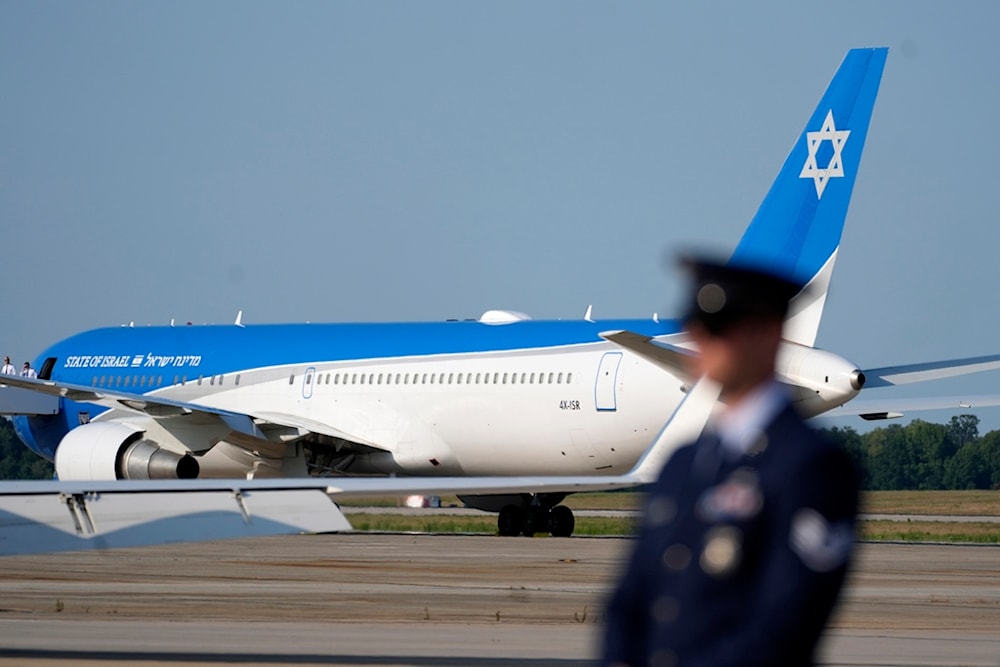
(46,516)
(894,408)
(109,398)
(933,370)
(15,398)
(50,516)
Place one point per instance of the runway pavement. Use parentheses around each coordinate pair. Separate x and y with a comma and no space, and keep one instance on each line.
(370,599)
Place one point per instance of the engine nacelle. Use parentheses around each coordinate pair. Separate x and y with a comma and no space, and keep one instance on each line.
(113,450)
(827,380)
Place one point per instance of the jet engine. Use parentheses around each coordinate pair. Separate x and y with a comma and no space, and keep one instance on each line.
(114,450)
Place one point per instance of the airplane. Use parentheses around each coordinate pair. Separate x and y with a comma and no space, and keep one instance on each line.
(504,395)
(51,516)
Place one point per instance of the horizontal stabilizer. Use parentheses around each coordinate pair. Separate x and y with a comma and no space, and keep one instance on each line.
(933,370)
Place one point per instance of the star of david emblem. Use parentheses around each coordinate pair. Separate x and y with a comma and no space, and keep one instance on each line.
(835,169)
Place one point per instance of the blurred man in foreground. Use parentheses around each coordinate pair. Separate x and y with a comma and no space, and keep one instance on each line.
(748,532)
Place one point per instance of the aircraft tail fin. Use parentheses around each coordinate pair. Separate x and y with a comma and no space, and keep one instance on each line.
(796,231)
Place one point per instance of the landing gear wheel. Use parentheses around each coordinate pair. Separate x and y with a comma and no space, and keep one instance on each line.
(510,523)
(536,520)
(561,521)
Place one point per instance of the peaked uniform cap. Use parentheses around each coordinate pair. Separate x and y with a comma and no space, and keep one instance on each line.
(724,293)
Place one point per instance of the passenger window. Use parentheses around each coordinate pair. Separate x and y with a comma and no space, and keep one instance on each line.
(569,378)
(291,379)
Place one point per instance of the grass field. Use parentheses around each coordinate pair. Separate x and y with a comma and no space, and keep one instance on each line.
(960,503)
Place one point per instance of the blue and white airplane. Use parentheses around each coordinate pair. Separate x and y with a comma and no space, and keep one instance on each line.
(500,396)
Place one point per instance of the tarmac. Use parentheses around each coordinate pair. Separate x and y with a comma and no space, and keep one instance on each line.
(402,599)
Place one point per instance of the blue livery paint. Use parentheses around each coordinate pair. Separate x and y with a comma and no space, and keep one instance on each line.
(213,350)
(795,231)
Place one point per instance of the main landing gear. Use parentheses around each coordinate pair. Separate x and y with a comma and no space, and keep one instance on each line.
(529,520)
(527,513)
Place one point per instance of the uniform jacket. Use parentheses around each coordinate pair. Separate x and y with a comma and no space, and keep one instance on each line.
(738,561)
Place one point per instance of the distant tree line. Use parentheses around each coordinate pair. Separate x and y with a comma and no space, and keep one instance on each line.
(922,455)
(917,456)
(16,460)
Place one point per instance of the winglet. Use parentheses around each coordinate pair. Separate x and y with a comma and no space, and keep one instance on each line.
(239,319)
(684,427)
(670,358)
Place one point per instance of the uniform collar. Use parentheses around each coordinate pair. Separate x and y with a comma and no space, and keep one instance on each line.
(740,426)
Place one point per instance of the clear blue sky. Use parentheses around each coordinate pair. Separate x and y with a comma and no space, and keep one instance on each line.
(346,161)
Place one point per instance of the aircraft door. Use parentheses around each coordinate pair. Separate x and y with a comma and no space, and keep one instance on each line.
(307,382)
(605,398)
